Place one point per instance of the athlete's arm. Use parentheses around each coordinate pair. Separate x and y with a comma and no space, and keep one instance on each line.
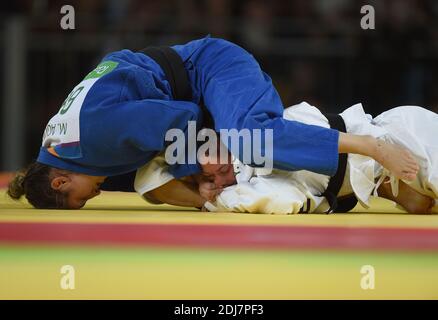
(396,159)
(178,193)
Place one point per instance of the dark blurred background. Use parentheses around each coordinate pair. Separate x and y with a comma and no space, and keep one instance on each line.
(314,50)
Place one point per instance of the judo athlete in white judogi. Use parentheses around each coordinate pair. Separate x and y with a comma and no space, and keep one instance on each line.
(241,188)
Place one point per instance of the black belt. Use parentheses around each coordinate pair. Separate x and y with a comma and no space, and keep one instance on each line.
(176,74)
(173,68)
(347,203)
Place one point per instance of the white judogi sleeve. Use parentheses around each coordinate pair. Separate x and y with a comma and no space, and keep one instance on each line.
(152,175)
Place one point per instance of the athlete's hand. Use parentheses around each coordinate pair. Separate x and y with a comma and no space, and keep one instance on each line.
(396,159)
(208,190)
(400,161)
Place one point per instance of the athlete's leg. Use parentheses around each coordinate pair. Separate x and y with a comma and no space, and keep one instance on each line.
(411,200)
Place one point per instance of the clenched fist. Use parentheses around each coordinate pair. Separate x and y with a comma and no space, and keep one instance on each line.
(208,190)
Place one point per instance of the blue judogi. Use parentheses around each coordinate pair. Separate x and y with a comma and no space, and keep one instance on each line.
(127,107)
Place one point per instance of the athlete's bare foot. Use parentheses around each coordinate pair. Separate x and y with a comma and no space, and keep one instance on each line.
(411,200)
(396,159)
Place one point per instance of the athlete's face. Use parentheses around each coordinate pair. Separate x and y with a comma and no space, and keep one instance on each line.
(79,188)
(221,174)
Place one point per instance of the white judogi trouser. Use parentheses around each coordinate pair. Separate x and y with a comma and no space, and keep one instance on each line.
(286,192)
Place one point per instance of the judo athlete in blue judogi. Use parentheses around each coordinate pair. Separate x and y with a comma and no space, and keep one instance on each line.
(116,119)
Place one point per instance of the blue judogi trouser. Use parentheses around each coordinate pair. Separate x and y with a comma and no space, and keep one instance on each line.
(240,95)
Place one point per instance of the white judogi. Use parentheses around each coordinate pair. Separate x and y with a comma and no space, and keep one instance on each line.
(286,192)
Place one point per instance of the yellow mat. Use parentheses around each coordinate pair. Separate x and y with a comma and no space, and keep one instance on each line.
(35,271)
(118,207)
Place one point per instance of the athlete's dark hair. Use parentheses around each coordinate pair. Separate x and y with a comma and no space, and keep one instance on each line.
(35,183)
